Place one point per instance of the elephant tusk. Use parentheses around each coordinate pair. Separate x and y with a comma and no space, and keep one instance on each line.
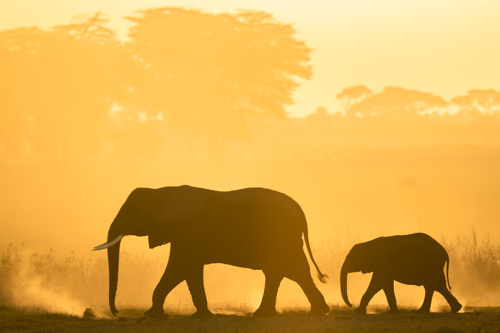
(109,244)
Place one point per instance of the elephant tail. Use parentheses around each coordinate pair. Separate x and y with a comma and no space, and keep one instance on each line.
(322,277)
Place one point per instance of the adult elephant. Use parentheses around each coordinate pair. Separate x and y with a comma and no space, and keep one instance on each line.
(415,259)
(255,228)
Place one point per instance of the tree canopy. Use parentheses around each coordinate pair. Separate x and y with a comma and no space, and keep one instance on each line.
(478,102)
(75,89)
(62,80)
(213,73)
(352,95)
(396,102)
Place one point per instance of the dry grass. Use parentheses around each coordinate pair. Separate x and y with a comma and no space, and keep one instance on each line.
(71,283)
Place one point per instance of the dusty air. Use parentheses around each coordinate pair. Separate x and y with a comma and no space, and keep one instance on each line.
(262,167)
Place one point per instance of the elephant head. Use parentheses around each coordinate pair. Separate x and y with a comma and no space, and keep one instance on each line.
(361,258)
(161,214)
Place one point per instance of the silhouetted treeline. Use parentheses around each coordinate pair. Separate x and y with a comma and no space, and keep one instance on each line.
(398,117)
(395,103)
(198,80)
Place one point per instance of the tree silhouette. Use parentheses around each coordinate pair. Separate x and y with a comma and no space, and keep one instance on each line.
(396,103)
(14,87)
(352,95)
(213,73)
(478,103)
(135,133)
(65,81)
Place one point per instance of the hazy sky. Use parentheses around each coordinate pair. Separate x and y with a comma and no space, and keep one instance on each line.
(442,46)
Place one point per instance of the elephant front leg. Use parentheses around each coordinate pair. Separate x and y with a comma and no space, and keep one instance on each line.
(174,274)
(391,297)
(267,307)
(426,306)
(374,287)
(197,289)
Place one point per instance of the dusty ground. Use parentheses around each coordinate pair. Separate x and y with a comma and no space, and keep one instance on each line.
(473,320)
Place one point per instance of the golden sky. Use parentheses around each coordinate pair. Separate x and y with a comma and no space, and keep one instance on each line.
(67,179)
(442,46)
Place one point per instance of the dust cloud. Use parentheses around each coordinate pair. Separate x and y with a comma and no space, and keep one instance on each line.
(26,283)
(87,118)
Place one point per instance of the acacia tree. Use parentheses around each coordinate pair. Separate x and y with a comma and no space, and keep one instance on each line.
(478,103)
(396,103)
(352,95)
(213,73)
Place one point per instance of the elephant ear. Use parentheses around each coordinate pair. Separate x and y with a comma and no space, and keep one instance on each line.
(178,215)
(378,255)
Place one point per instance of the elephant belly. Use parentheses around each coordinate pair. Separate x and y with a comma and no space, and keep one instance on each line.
(254,254)
(415,277)
(256,231)
(410,280)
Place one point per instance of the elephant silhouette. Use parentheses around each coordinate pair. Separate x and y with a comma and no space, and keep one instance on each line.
(415,259)
(255,228)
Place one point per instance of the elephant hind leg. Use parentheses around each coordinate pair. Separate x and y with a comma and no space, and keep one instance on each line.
(452,301)
(301,274)
(267,307)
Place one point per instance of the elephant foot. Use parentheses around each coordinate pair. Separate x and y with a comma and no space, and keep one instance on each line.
(360,310)
(421,310)
(393,311)
(156,313)
(265,313)
(456,307)
(202,314)
(319,310)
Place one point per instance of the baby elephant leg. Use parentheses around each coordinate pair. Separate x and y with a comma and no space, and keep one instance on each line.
(376,284)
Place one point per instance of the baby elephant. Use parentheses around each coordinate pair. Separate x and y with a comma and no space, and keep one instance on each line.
(415,259)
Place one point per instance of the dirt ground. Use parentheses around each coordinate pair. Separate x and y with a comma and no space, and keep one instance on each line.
(472,320)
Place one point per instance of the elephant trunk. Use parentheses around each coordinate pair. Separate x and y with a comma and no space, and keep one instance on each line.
(343,284)
(113,261)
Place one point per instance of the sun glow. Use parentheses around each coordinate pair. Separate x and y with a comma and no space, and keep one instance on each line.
(377,117)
